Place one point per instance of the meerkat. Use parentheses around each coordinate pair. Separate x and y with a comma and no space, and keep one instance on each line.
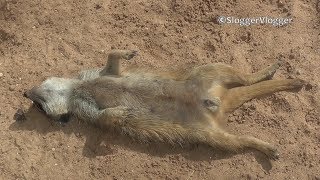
(149,106)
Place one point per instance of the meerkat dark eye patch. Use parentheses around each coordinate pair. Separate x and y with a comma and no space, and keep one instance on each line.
(38,106)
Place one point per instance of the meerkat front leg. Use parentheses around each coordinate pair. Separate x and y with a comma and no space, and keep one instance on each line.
(115,116)
(86,109)
(113,66)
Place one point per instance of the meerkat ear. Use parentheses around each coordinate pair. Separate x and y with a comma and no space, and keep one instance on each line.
(65,118)
(113,66)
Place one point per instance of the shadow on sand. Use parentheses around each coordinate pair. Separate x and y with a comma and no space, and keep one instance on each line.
(100,143)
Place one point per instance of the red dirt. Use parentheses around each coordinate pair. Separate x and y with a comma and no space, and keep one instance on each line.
(46,38)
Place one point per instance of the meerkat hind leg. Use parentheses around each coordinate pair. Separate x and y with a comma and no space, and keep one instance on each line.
(235,97)
(265,74)
(229,76)
(233,78)
(219,138)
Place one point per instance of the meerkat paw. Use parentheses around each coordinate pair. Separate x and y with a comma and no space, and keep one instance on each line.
(272,152)
(273,68)
(298,83)
(278,64)
(120,111)
(295,85)
(129,54)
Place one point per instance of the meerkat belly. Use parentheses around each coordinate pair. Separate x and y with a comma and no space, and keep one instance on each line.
(156,97)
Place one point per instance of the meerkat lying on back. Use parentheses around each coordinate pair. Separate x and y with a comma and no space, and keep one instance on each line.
(168,108)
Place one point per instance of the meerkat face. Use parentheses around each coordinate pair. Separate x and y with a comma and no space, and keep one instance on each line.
(52,96)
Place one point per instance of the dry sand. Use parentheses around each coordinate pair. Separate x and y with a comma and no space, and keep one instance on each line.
(42,38)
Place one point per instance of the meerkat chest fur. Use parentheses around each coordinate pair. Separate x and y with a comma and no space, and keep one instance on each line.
(156,95)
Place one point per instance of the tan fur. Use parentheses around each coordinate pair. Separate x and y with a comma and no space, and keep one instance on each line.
(177,108)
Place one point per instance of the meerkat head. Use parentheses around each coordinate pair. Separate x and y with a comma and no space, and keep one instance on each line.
(52,96)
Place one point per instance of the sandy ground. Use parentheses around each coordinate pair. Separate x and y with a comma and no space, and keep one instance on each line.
(42,38)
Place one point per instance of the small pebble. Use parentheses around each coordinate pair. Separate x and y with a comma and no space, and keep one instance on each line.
(291,142)
(282,142)
(11,88)
(308,87)
(1,74)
